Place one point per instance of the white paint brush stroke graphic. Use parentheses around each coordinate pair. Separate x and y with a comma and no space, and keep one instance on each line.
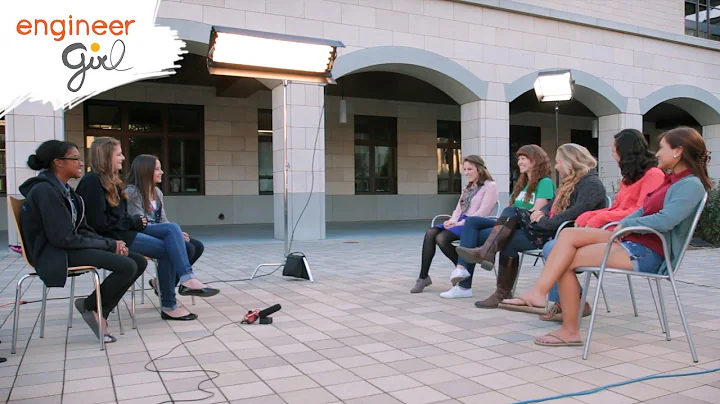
(32,67)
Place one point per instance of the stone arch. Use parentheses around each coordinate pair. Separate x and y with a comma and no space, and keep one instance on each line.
(455,80)
(700,104)
(597,95)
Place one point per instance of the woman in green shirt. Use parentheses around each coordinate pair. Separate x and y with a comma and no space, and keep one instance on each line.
(532,191)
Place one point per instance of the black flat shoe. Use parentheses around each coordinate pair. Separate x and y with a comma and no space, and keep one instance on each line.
(204,292)
(150,282)
(187,317)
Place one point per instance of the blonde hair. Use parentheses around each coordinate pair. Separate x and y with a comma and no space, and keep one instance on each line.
(576,161)
(102,151)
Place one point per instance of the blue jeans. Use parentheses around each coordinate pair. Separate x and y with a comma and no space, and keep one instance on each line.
(165,242)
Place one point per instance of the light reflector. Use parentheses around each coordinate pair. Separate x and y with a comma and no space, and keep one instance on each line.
(554,86)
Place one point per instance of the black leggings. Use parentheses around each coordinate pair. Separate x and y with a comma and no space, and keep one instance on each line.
(123,273)
(443,239)
(194,249)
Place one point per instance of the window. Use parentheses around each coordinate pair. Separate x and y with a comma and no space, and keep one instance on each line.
(584,138)
(520,136)
(265,151)
(173,133)
(3,172)
(702,18)
(449,157)
(375,155)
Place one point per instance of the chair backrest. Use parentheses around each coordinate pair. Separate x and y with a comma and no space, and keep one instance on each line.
(608,201)
(686,244)
(496,209)
(16,207)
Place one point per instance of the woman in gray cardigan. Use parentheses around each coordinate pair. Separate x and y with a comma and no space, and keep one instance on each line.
(669,210)
(146,172)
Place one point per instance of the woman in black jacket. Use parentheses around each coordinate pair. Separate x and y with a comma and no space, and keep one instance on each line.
(580,191)
(56,234)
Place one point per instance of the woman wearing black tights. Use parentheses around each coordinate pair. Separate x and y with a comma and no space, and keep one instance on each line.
(477,199)
(57,236)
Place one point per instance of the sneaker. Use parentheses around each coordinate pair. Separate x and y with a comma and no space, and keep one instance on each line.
(421,284)
(456,292)
(458,275)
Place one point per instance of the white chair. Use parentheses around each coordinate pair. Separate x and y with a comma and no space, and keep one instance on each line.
(16,207)
(496,209)
(672,271)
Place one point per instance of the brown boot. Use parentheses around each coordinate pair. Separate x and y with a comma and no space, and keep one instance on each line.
(485,254)
(507,274)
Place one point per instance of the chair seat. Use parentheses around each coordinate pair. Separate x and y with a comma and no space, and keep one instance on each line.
(534,253)
(81,268)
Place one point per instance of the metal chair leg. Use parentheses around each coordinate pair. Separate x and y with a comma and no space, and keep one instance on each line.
(592,316)
(43,308)
(16,319)
(132,307)
(122,330)
(657,308)
(192,298)
(632,295)
(683,319)
(72,297)
(98,302)
(663,310)
(142,288)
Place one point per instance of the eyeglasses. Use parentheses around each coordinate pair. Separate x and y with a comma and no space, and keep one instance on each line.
(70,158)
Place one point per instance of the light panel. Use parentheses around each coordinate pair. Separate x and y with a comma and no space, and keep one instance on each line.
(554,86)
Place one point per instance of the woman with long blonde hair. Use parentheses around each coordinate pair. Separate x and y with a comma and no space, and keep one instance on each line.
(580,191)
(532,191)
(107,213)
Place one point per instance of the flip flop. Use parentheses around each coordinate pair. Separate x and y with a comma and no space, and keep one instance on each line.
(526,308)
(88,316)
(561,342)
(555,314)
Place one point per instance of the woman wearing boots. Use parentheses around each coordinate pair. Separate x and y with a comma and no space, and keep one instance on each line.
(477,199)
(532,191)
(580,191)
(669,209)
(641,176)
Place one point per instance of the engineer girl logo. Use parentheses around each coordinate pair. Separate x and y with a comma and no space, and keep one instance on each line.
(68,51)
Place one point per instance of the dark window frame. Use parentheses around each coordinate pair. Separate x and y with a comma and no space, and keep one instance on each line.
(371,144)
(450,149)
(264,139)
(124,135)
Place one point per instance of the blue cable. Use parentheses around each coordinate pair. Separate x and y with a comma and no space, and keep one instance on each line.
(598,389)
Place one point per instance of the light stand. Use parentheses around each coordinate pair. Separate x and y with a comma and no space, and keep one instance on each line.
(264,55)
(555,86)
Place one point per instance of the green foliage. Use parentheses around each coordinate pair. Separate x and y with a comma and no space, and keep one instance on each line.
(708,228)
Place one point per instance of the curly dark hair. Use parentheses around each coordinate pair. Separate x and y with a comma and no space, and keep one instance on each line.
(635,155)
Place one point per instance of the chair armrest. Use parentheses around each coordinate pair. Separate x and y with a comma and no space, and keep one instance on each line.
(432,224)
(563,225)
(641,230)
(611,224)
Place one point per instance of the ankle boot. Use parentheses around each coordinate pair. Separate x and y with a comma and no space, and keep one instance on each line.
(498,238)
(506,280)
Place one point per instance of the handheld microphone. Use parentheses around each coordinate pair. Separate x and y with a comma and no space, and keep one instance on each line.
(262,315)
(270,310)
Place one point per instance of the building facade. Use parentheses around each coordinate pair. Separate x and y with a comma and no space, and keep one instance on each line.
(423,82)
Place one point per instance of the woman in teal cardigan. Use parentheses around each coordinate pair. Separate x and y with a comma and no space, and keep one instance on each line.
(669,209)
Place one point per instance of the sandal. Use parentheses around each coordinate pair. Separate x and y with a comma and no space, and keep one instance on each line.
(555,313)
(560,341)
(525,308)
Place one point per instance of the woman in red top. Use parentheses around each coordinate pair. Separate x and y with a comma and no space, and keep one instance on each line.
(640,176)
(669,210)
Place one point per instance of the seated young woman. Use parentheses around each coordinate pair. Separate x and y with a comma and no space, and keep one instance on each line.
(640,176)
(532,191)
(669,210)
(477,199)
(57,236)
(146,199)
(580,191)
(107,213)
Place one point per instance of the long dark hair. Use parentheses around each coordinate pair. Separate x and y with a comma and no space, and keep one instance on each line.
(695,154)
(141,175)
(541,170)
(635,155)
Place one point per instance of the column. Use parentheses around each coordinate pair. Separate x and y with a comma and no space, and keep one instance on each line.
(26,127)
(711,133)
(305,131)
(486,132)
(608,127)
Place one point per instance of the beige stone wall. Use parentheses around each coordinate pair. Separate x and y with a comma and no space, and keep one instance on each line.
(664,15)
(417,143)
(231,141)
